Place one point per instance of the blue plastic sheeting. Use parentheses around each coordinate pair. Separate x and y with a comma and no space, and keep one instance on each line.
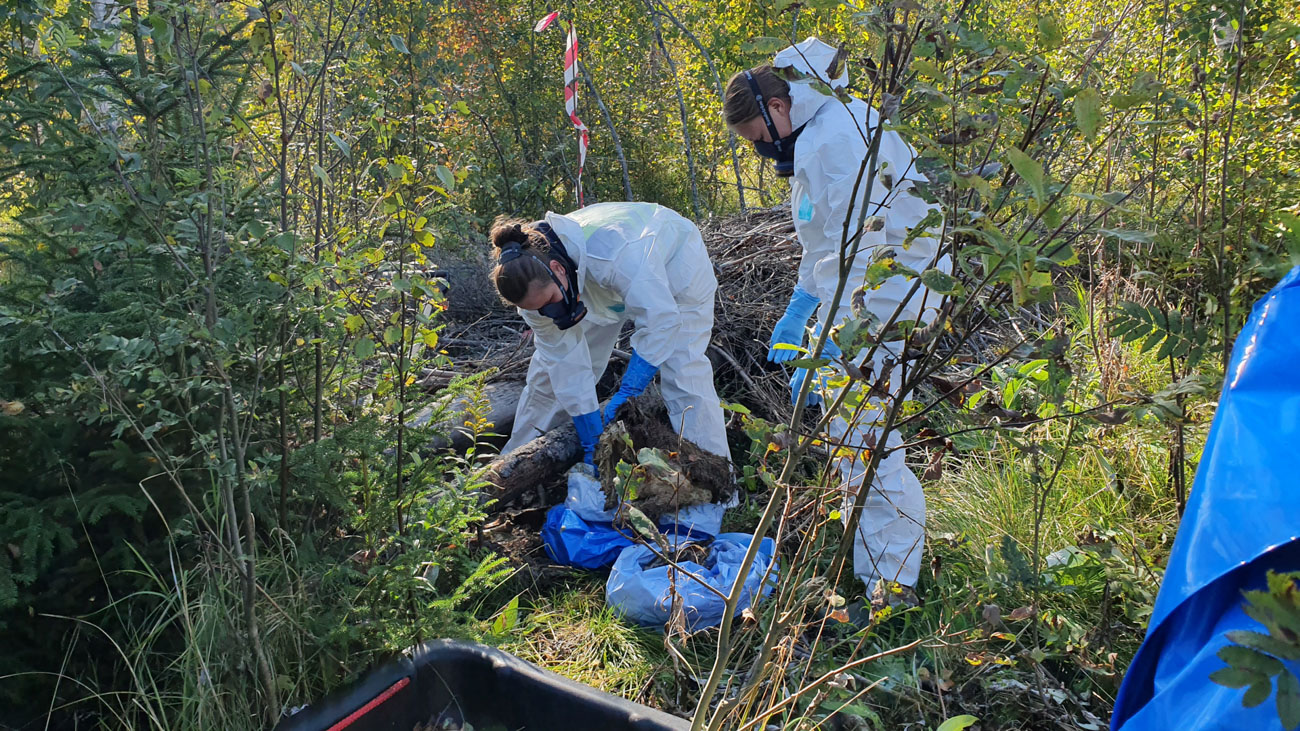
(572,541)
(1240,521)
(581,532)
(645,595)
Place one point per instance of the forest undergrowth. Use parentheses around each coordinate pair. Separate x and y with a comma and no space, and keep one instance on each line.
(241,249)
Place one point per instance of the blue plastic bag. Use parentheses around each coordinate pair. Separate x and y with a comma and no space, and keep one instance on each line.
(581,532)
(572,541)
(1240,521)
(644,595)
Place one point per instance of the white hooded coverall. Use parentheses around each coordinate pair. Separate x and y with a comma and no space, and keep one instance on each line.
(828,155)
(646,263)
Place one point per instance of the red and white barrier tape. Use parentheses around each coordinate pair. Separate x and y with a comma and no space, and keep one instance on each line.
(571,92)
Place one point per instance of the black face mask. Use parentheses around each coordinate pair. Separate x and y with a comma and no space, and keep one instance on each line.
(570,310)
(780,149)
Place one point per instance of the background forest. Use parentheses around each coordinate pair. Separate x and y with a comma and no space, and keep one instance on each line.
(237,238)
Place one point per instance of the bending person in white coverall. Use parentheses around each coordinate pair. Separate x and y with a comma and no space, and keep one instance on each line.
(832,141)
(576,278)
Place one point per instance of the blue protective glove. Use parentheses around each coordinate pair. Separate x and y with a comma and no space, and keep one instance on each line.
(789,329)
(829,350)
(638,375)
(589,427)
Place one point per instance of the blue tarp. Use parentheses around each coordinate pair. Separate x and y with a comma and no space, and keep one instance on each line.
(1242,518)
(581,532)
(645,595)
(572,541)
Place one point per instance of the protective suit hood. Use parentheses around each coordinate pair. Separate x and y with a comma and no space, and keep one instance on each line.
(813,58)
(570,233)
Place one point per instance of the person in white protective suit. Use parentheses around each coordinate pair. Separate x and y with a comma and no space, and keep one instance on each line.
(775,107)
(576,278)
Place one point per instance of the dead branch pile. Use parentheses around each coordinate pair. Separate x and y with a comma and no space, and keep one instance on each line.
(756,258)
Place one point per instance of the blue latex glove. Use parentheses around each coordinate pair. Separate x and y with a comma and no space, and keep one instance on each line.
(829,350)
(589,427)
(796,383)
(789,329)
(638,375)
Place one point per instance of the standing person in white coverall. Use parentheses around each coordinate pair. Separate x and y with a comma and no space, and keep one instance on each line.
(575,279)
(833,138)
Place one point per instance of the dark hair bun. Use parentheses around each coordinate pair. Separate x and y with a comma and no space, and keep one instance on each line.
(508,232)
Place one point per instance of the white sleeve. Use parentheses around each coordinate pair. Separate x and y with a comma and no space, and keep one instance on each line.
(564,355)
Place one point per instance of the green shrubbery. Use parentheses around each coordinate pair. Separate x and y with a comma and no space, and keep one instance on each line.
(218,232)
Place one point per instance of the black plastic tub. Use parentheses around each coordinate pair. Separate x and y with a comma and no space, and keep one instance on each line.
(447,684)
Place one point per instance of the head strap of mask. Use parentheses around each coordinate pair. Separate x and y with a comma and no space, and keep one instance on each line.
(570,310)
(777,142)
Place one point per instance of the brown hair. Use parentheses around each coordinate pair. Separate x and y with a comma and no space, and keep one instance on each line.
(516,276)
(738,103)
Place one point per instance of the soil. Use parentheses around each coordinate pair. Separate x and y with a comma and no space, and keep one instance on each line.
(693,477)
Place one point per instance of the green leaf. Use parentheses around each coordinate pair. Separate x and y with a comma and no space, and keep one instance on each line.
(1050,34)
(927,68)
(651,457)
(354,323)
(940,282)
(1236,677)
(430,338)
(928,226)
(1126,101)
(764,45)
(811,363)
(1030,170)
(507,619)
(1249,659)
(365,347)
(1257,693)
(1288,700)
(1065,256)
(461,107)
(1087,112)
(1273,646)
(958,723)
(344,147)
(444,175)
(160,30)
(324,177)
(644,527)
(399,44)
(392,335)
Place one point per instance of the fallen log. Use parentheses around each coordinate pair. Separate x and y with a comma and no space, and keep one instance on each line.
(531,466)
(502,398)
(689,474)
